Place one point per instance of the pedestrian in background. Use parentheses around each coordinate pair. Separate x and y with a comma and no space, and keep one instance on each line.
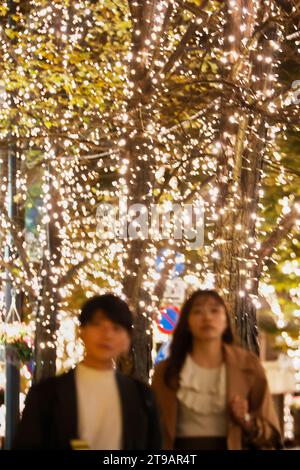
(93,406)
(213,394)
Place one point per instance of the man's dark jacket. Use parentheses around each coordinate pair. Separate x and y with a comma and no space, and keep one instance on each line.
(50,419)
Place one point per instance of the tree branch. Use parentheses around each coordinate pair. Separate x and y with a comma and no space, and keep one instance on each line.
(181,47)
(279,232)
(73,270)
(70,273)
(18,243)
(9,267)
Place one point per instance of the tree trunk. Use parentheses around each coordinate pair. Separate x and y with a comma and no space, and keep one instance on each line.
(45,334)
(45,351)
(138,151)
(239,175)
(46,320)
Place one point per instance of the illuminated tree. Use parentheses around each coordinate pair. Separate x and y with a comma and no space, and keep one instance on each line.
(146,102)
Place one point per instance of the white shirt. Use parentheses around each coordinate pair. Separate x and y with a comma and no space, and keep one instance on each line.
(99,408)
(202,401)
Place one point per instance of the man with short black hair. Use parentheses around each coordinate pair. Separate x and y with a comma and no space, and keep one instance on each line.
(93,406)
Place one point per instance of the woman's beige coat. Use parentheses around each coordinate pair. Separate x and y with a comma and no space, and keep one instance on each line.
(246,378)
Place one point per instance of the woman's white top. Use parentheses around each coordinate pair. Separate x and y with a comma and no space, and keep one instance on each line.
(202,401)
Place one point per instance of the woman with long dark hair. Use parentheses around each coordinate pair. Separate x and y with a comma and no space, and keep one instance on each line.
(212,394)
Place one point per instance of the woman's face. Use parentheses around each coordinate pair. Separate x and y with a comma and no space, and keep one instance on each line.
(207,319)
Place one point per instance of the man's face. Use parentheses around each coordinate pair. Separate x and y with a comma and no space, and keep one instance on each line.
(104,340)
